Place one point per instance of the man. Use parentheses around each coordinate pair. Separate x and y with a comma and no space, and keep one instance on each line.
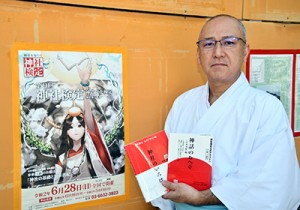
(255,165)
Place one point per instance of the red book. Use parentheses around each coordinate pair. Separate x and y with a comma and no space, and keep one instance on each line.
(190,160)
(148,157)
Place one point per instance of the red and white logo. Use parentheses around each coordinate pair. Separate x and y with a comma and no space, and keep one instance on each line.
(33,67)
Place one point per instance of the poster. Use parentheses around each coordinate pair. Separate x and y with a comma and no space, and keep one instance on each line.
(278,73)
(273,73)
(70,143)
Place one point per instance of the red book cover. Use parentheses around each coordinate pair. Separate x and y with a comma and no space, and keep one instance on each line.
(148,157)
(190,160)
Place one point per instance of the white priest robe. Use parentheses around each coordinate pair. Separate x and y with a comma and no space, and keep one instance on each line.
(255,165)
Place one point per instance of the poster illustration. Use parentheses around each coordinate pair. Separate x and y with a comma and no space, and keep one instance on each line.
(277,72)
(72,126)
(273,74)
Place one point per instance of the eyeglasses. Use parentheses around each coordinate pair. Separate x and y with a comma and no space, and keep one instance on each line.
(227,42)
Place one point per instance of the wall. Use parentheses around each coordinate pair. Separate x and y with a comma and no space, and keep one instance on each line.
(161,55)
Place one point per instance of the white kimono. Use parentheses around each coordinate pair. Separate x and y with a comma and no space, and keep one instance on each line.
(255,165)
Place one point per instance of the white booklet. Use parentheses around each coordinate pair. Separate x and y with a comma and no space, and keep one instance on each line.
(190,159)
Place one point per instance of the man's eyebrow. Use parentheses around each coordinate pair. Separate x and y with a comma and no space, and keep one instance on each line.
(229,36)
(223,37)
(207,38)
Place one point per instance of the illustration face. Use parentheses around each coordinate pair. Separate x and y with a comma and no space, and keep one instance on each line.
(76,131)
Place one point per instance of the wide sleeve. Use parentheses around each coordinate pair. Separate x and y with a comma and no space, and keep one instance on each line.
(101,148)
(57,175)
(267,172)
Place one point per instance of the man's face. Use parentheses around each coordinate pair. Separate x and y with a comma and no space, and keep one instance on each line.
(222,65)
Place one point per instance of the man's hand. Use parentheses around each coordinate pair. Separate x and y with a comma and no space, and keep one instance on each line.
(183,193)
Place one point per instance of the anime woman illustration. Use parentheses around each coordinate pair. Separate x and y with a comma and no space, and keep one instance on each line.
(83,153)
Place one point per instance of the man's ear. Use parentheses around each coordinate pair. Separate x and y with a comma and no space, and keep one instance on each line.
(246,52)
(198,56)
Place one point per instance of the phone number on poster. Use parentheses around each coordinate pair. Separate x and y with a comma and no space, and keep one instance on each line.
(102,195)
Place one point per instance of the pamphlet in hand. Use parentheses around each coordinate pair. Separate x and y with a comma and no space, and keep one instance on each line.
(190,160)
(148,157)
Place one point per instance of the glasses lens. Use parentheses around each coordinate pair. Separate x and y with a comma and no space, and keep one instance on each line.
(208,44)
(229,42)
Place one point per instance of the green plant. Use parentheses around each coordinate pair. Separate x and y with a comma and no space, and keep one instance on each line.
(32,139)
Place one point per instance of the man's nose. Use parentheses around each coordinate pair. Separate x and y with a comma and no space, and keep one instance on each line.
(218,50)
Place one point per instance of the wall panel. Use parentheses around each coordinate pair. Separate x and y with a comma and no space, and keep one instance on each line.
(182,7)
(272,10)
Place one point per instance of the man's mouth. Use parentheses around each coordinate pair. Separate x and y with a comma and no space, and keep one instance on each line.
(218,64)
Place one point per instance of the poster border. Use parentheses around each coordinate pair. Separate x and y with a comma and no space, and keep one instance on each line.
(292,52)
(297,133)
(17,198)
